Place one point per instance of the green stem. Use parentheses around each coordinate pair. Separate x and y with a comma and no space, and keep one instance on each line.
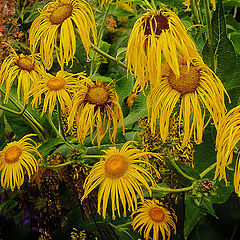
(100,36)
(170,190)
(57,132)
(10,110)
(195,12)
(120,226)
(208,170)
(209,31)
(149,5)
(60,121)
(55,166)
(92,156)
(107,56)
(179,170)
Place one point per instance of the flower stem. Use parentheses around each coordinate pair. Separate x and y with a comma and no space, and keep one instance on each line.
(59,112)
(179,170)
(195,12)
(32,122)
(170,190)
(57,132)
(92,156)
(100,36)
(209,31)
(55,166)
(210,168)
(107,56)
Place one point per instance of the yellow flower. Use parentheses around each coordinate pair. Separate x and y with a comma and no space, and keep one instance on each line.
(227,138)
(54,29)
(25,68)
(154,216)
(188,3)
(197,89)
(55,88)
(156,35)
(95,105)
(119,176)
(16,159)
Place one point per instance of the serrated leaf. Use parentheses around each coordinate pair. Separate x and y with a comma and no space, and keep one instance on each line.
(223,49)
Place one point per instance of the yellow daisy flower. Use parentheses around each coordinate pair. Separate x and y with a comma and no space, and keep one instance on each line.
(156,35)
(152,215)
(16,159)
(95,105)
(54,29)
(55,88)
(197,89)
(119,176)
(227,138)
(188,3)
(25,68)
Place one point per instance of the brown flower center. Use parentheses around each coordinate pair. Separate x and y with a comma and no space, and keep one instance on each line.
(188,80)
(155,24)
(116,166)
(12,154)
(61,13)
(156,214)
(25,64)
(97,95)
(56,83)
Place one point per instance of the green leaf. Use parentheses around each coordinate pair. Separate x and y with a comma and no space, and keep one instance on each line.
(224,53)
(50,146)
(132,136)
(2,129)
(138,110)
(8,205)
(103,79)
(206,206)
(192,216)
(121,53)
(124,86)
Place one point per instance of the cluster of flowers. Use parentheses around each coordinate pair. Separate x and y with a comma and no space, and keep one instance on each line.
(161,56)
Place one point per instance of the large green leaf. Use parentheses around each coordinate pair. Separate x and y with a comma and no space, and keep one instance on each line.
(192,216)
(223,49)
(2,129)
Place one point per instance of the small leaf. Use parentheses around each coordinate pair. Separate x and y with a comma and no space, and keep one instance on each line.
(8,205)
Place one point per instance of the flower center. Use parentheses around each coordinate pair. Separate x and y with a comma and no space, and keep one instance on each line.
(12,154)
(25,64)
(116,166)
(156,214)
(56,83)
(188,80)
(97,95)
(61,13)
(155,24)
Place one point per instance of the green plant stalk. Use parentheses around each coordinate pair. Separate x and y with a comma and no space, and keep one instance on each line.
(210,168)
(57,132)
(59,112)
(27,115)
(209,31)
(149,5)
(100,36)
(92,156)
(55,166)
(107,56)
(170,190)
(179,170)
(23,113)
(195,12)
